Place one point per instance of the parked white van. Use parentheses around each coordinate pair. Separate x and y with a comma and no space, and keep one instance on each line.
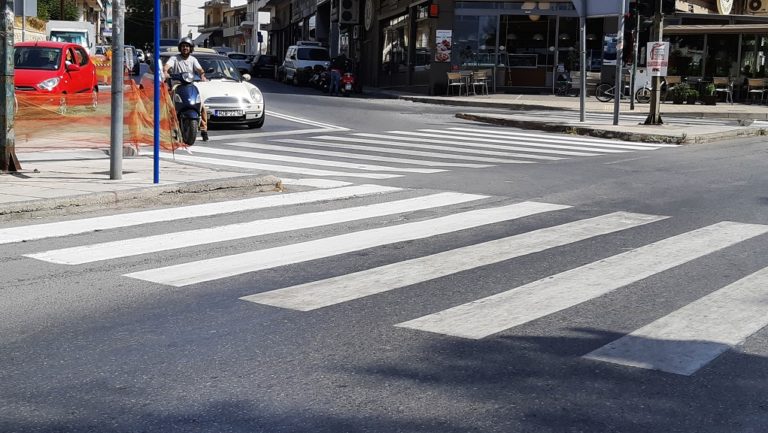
(300,59)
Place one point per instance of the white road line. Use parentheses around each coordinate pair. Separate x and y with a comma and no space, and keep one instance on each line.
(222,267)
(423,137)
(689,338)
(482,137)
(318,294)
(340,145)
(312,161)
(85,225)
(189,238)
(314,183)
(305,121)
(418,144)
(487,316)
(353,155)
(565,138)
(293,132)
(276,168)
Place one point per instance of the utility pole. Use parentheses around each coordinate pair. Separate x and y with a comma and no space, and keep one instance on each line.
(8,159)
(619,61)
(654,116)
(116,124)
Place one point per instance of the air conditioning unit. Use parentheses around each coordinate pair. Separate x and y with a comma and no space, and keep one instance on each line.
(757,6)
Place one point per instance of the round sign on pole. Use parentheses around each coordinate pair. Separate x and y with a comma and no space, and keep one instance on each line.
(368,15)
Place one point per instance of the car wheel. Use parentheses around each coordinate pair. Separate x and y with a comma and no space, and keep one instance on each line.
(259,122)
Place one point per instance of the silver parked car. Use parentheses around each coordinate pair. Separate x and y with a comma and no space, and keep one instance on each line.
(240,60)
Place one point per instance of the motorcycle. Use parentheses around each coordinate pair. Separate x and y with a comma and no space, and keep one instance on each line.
(319,78)
(348,83)
(188,105)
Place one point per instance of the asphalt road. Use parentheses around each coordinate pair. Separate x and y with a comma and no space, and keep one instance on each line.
(617,291)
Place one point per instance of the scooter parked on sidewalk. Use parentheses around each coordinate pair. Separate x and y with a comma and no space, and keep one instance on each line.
(188,105)
(348,83)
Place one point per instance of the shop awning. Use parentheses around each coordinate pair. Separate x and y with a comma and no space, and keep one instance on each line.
(701,29)
(201,38)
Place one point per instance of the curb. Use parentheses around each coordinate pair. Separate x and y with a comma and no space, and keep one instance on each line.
(540,107)
(258,183)
(681,138)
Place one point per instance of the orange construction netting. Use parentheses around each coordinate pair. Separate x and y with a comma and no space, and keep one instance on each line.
(82,120)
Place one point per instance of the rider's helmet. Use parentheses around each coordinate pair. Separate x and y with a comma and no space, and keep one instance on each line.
(188,41)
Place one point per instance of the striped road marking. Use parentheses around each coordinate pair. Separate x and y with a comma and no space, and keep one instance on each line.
(348,155)
(318,294)
(387,141)
(190,238)
(275,168)
(65,228)
(221,267)
(311,161)
(487,316)
(340,145)
(422,137)
(569,139)
(689,338)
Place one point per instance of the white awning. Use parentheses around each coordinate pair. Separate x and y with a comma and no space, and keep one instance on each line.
(201,38)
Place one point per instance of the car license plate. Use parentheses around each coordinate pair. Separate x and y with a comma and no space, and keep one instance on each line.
(228,113)
(348,86)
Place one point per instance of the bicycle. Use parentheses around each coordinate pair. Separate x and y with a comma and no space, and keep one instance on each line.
(604,93)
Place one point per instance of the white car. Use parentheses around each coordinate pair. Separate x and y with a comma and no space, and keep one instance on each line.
(240,60)
(228,97)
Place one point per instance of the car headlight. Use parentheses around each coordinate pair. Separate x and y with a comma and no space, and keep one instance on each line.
(49,84)
(256,96)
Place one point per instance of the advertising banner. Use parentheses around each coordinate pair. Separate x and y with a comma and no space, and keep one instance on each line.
(443,45)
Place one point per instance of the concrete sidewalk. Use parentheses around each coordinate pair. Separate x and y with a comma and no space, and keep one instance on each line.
(728,120)
(74,178)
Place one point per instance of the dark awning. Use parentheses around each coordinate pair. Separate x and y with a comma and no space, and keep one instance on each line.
(701,29)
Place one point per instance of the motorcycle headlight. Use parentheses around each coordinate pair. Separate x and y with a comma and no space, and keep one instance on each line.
(49,84)
(256,96)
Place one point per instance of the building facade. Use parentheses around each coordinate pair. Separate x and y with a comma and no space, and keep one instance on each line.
(412,45)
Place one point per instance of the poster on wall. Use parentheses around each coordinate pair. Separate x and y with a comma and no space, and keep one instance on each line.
(610,42)
(443,46)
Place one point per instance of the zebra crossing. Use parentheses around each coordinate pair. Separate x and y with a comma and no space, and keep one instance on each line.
(681,342)
(397,153)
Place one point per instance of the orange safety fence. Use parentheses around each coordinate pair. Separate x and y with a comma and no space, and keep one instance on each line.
(82,120)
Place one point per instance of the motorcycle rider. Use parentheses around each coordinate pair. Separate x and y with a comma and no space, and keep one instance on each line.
(186,62)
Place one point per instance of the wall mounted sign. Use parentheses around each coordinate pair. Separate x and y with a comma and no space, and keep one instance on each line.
(657,58)
(724,6)
(443,42)
(368,15)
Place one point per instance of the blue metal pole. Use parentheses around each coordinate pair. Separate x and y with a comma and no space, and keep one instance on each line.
(158,71)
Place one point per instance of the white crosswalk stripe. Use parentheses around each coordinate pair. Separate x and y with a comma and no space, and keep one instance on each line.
(682,342)
(319,294)
(484,317)
(65,228)
(689,338)
(169,241)
(221,267)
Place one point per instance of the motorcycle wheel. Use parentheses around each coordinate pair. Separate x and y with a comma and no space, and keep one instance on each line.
(188,131)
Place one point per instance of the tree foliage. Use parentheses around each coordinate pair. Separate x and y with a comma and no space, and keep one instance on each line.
(51,10)
(139,23)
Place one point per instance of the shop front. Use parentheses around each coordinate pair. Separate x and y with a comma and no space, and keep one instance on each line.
(524,44)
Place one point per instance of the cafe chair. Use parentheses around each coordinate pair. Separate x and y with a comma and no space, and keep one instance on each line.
(755,88)
(724,85)
(480,80)
(456,81)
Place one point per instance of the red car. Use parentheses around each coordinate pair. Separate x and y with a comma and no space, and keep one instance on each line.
(45,68)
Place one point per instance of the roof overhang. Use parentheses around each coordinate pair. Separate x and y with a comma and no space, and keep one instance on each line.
(721,29)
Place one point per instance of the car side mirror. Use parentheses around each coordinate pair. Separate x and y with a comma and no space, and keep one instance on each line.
(247,77)
(73,67)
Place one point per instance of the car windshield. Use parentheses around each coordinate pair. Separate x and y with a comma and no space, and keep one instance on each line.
(312,54)
(36,58)
(219,69)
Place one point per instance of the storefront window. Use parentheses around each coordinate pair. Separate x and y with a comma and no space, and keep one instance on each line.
(723,56)
(394,55)
(423,42)
(686,55)
(753,51)
(465,40)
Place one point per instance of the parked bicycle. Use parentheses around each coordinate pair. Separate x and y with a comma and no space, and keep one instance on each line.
(605,91)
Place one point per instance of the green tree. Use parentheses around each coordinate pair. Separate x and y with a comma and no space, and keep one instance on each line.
(139,23)
(51,10)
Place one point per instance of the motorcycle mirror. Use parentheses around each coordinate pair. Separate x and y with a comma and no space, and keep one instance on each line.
(246,77)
